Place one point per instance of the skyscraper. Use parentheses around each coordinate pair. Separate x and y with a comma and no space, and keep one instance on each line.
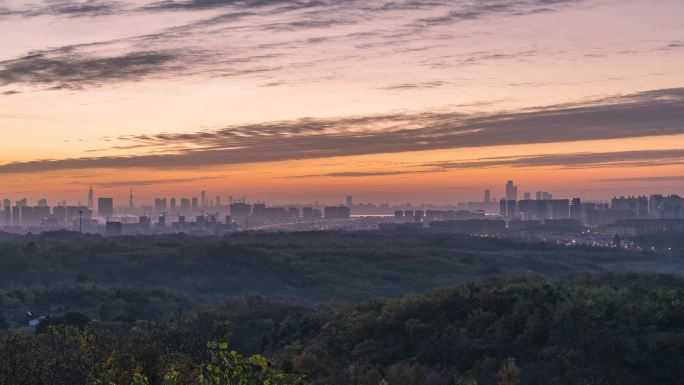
(576,208)
(349,201)
(204,199)
(528,196)
(7,208)
(105,207)
(487,196)
(91,199)
(185,205)
(160,205)
(511,191)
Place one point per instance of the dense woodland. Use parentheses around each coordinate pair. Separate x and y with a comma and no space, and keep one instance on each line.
(335,308)
(607,329)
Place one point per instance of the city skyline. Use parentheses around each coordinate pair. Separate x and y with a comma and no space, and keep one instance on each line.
(556,218)
(202,203)
(126,198)
(304,100)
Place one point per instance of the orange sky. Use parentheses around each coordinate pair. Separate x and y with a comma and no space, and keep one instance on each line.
(404,103)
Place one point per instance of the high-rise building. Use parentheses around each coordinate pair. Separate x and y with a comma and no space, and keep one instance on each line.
(91,199)
(527,196)
(7,209)
(538,196)
(218,201)
(42,203)
(557,208)
(16,215)
(336,212)
(511,191)
(204,199)
(59,212)
(41,212)
(185,205)
(512,208)
(576,208)
(487,196)
(172,204)
(666,207)
(638,206)
(160,205)
(349,201)
(240,210)
(105,207)
(194,203)
(311,213)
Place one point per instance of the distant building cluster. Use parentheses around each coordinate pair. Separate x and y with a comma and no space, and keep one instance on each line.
(624,215)
(191,215)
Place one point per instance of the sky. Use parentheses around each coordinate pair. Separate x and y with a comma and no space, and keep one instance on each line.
(310,100)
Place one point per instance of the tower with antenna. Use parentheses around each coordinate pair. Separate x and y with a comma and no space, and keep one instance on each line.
(130,200)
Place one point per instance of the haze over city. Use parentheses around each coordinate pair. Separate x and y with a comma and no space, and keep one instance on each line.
(301,101)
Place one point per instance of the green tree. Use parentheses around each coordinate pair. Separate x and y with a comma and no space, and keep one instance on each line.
(172,378)
(228,367)
(139,379)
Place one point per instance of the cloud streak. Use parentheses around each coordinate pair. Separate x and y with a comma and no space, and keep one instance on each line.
(579,160)
(657,179)
(583,160)
(652,113)
(147,182)
(66,8)
(172,51)
(361,174)
(67,68)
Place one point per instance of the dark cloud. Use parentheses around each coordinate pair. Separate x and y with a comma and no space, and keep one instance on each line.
(644,114)
(582,160)
(358,174)
(10,92)
(93,8)
(667,178)
(89,8)
(211,4)
(464,11)
(413,86)
(644,158)
(67,68)
(146,182)
(673,46)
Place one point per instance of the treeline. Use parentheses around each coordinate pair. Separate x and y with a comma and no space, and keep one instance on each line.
(608,329)
(663,241)
(152,277)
